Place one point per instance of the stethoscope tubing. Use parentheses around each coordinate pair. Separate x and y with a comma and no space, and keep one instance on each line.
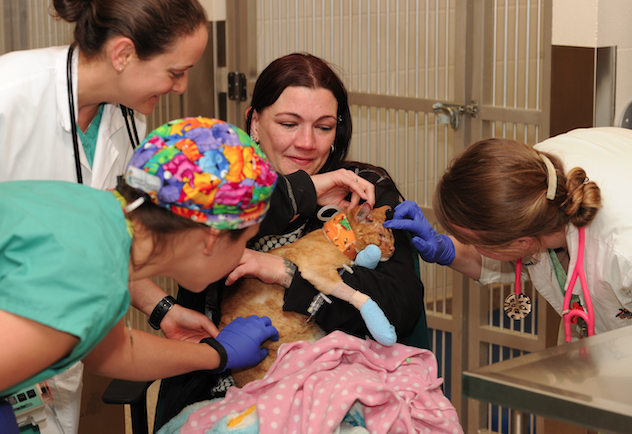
(73,120)
(568,313)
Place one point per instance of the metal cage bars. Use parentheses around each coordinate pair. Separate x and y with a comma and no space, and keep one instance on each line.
(395,57)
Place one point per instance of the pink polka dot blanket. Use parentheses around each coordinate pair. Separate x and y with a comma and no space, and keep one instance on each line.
(312,387)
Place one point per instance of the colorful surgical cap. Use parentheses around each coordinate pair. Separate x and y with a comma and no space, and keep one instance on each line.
(206,170)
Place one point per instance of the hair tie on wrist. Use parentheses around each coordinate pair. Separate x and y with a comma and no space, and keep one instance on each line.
(223,356)
(551,176)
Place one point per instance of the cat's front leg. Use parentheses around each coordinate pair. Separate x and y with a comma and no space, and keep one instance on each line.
(379,326)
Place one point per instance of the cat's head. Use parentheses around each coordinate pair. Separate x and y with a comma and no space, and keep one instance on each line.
(366,223)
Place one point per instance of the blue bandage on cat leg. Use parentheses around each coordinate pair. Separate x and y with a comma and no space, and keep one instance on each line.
(369,257)
(377,323)
(375,320)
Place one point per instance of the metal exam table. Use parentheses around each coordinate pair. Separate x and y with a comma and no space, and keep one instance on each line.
(586,383)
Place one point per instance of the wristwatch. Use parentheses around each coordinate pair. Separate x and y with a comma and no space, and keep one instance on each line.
(160,311)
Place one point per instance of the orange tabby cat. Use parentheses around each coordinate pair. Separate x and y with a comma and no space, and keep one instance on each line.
(318,261)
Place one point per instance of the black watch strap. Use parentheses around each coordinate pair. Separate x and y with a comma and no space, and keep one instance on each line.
(160,311)
(222,354)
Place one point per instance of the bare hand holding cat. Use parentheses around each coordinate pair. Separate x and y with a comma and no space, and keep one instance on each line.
(333,187)
(187,325)
(265,267)
(179,323)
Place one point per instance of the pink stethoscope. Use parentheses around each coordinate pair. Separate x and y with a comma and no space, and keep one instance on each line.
(518,305)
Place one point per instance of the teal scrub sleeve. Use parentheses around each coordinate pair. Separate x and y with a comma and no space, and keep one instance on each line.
(65,261)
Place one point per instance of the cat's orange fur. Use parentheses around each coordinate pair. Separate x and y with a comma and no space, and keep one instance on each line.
(318,261)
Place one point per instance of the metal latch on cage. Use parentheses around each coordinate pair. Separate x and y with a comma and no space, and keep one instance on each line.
(450,113)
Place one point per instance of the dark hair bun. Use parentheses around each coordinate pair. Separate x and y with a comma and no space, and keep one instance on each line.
(69,10)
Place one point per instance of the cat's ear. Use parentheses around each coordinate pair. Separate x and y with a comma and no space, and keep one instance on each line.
(363,212)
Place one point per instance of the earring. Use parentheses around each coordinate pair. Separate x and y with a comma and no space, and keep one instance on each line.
(333,147)
(252,137)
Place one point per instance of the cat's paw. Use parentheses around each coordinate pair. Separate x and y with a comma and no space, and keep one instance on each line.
(369,257)
(380,327)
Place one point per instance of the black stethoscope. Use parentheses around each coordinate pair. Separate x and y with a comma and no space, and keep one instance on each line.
(73,121)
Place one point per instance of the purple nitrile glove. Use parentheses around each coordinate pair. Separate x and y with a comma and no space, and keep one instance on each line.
(432,246)
(242,339)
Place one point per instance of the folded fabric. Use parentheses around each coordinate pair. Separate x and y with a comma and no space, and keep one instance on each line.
(312,387)
(175,424)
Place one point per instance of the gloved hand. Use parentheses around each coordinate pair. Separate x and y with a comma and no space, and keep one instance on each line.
(242,339)
(432,246)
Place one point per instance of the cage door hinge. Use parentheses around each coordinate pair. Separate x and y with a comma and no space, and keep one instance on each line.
(237,86)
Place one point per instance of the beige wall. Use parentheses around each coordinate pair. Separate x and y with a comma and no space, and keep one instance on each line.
(215,9)
(599,23)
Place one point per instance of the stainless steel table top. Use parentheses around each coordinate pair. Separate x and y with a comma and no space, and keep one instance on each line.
(586,383)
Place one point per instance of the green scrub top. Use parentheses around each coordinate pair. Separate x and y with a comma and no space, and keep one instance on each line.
(64,257)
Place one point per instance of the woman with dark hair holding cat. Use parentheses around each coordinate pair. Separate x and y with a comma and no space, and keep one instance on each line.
(301,119)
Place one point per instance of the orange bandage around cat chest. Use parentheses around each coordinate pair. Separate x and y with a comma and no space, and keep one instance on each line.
(338,230)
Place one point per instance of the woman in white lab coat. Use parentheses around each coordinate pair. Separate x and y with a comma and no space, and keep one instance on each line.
(75,114)
(126,54)
(503,201)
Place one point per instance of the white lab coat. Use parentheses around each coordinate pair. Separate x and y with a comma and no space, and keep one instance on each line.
(36,143)
(606,156)
(35,132)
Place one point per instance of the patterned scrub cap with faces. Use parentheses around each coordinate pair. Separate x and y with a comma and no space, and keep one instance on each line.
(206,170)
